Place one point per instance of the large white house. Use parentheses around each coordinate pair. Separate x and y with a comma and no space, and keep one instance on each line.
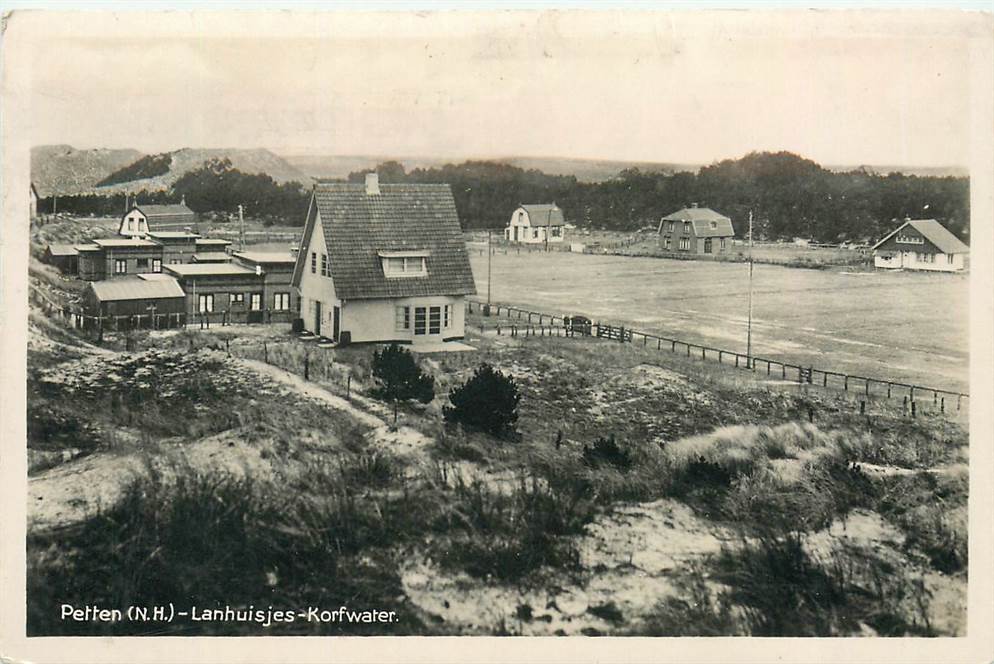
(383,263)
(533,224)
(920,244)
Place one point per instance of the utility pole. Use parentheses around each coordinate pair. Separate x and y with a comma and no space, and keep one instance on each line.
(749,324)
(490,257)
(241,228)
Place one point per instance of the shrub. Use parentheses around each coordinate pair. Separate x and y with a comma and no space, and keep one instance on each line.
(488,401)
(399,378)
(606,450)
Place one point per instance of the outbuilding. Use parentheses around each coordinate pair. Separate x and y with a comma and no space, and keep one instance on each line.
(63,256)
(221,292)
(535,224)
(133,302)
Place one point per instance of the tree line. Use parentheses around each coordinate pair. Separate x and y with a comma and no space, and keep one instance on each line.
(789,196)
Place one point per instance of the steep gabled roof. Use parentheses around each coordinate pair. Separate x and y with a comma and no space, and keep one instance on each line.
(544,214)
(703,218)
(403,217)
(935,233)
(134,288)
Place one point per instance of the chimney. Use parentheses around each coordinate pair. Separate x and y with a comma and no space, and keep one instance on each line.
(372,184)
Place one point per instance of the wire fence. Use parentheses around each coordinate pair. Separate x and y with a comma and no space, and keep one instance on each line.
(528,323)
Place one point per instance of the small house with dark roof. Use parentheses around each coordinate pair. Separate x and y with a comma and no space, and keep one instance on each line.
(278,294)
(383,263)
(106,258)
(133,301)
(696,230)
(920,244)
(222,292)
(63,256)
(139,220)
(536,223)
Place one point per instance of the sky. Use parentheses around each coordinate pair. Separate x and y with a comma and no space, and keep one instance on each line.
(846,88)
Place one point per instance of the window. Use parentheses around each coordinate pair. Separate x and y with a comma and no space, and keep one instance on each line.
(534,233)
(672,226)
(175,261)
(281,301)
(707,245)
(205,303)
(142,262)
(256,302)
(910,239)
(521,217)
(314,262)
(238,298)
(685,243)
(557,231)
(714,225)
(405,266)
(434,320)
(419,320)
(686,227)
(131,223)
(120,267)
(667,242)
(156,265)
(949,259)
(403,319)
(447,316)
(324,265)
(721,242)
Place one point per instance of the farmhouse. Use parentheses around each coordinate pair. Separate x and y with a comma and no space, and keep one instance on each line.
(63,256)
(696,230)
(221,291)
(533,224)
(382,263)
(117,257)
(139,220)
(138,295)
(920,244)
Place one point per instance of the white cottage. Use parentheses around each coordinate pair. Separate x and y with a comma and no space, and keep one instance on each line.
(533,224)
(920,244)
(383,263)
(140,219)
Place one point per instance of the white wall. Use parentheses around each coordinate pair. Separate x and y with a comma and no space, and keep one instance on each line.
(140,225)
(314,287)
(376,320)
(526,232)
(908,260)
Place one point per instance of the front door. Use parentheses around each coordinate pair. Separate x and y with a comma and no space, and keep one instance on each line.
(336,312)
(317,318)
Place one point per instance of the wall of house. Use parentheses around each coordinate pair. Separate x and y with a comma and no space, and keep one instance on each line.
(376,320)
(92,265)
(132,256)
(222,287)
(139,226)
(909,260)
(314,287)
(528,234)
(177,252)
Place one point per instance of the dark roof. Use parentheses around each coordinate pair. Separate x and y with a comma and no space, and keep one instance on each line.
(935,233)
(266,257)
(62,250)
(203,269)
(544,214)
(134,288)
(171,210)
(702,218)
(402,217)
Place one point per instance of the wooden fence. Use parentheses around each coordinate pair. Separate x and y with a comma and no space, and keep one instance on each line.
(525,325)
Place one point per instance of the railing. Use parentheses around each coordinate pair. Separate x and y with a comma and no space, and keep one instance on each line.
(805,375)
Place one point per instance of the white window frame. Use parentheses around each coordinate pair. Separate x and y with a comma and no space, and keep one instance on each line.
(255,301)
(685,244)
(237,298)
(434,320)
(402,319)
(420,315)
(447,317)
(205,299)
(405,266)
(910,239)
(314,262)
(156,265)
(324,266)
(281,301)
(120,266)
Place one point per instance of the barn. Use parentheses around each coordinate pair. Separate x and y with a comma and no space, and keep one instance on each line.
(696,230)
(535,224)
(383,263)
(920,244)
(138,295)
(63,256)
(139,220)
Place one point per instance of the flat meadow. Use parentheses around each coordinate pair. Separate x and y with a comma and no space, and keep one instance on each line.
(905,326)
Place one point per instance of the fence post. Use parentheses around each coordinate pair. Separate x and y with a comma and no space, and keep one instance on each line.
(227,347)
(914,409)
(783,370)
(307,365)
(348,387)
(720,353)
(845,385)
(265,352)
(888,390)
(959,401)
(904,404)
(942,406)
(862,407)
(867,387)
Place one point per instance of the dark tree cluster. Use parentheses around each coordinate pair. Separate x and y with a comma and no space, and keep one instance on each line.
(788,195)
(148,166)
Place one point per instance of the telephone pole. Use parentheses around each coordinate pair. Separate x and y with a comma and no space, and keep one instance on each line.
(490,256)
(749,324)
(241,228)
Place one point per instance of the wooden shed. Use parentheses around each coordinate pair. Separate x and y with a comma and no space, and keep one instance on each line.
(121,300)
(63,256)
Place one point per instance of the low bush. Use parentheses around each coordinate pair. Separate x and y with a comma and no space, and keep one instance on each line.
(606,451)
(487,402)
(399,378)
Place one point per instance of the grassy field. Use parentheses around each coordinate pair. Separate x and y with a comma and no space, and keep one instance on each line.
(899,326)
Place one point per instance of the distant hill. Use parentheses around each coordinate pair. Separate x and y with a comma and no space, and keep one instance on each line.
(63,169)
(585,170)
(175,164)
(920,171)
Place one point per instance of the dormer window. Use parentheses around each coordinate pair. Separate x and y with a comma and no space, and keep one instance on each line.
(714,225)
(404,263)
(910,239)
